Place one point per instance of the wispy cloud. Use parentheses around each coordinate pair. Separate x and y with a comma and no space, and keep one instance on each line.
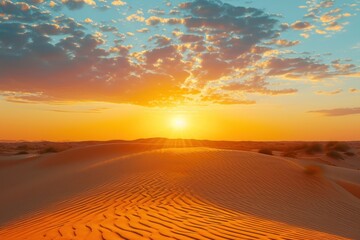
(337,111)
(329,93)
(353,90)
(90,110)
(324,17)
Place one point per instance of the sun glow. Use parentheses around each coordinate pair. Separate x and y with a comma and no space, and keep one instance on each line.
(178,122)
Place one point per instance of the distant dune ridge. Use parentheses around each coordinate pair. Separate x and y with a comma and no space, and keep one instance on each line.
(144,191)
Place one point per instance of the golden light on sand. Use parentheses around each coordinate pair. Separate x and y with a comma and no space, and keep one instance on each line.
(178,122)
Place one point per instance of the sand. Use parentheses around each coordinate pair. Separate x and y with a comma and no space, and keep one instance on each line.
(141,191)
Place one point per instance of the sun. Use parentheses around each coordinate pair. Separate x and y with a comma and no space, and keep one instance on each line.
(178,122)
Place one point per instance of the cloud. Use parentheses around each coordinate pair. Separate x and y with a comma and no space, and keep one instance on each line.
(35,1)
(329,93)
(155,20)
(284,42)
(52,4)
(214,17)
(305,35)
(326,3)
(22,11)
(212,96)
(160,40)
(257,85)
(334,26)
(296,68)
(353,90)
(135,17)
(91,110)
(118,3)
(88,20)
(24,97)
(186,38)
(321,32)
(326,16)
(143,30)
(217,53)
(107,28)
(156,11)
(338,111)
(298,25)
(77,4)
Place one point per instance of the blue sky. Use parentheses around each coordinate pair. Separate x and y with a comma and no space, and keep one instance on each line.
(256,44)
(300,55)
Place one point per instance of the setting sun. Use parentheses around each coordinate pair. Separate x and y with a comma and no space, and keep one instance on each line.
(178,122)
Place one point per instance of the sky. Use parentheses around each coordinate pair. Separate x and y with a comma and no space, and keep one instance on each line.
(227,70)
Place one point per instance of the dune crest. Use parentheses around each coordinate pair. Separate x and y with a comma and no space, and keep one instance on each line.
(117,191)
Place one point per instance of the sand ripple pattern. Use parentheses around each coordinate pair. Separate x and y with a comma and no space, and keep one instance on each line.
(182,194)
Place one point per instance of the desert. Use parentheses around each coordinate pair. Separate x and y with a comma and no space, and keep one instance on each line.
(150,189)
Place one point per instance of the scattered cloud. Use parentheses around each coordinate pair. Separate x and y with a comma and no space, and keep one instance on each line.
(77,4)
(143,30)
(118,3)
(329,93)
(257,85)
(52,4)
(88,20)
(25,97)
(160,40)
(156,11)
(305,35)
(325,16)
(190,38)
(201,51)
(135,17)
(353,90)
(338,111)
(299,25)
(90,110)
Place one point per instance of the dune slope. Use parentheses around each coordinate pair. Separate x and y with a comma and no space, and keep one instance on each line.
(117,191)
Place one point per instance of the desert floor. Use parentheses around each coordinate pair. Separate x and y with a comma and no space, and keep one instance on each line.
(148,190)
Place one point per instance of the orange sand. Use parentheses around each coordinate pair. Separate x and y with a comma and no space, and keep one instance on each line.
(137,191)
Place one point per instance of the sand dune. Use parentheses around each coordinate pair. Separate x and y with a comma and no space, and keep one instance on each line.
(139,191)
